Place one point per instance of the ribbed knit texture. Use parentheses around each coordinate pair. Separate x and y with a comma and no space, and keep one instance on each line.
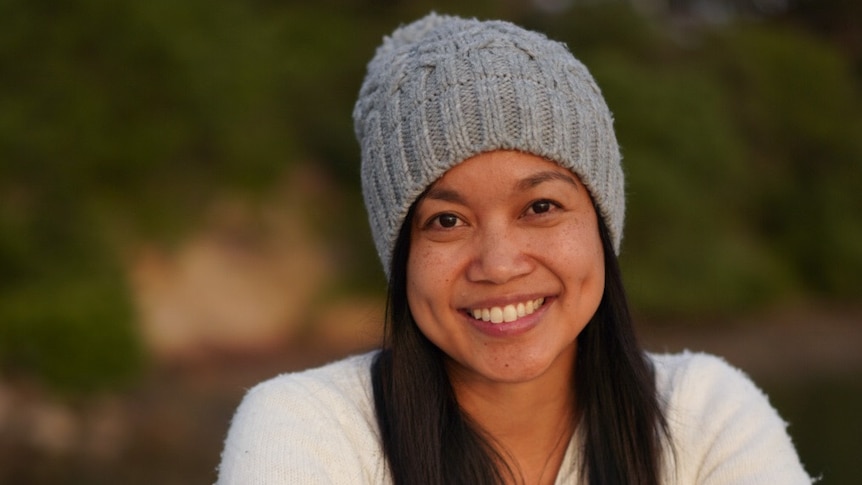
(443,89)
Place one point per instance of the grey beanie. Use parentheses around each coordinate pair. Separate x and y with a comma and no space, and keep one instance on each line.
(444,89)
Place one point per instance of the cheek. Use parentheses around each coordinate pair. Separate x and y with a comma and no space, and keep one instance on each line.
(428,293)
(425,280)
(583,263)
(593,270)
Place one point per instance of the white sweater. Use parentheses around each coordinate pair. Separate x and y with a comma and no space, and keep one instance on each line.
(318,427)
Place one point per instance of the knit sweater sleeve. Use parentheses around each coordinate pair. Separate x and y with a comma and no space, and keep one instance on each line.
(307,428)
(724,430)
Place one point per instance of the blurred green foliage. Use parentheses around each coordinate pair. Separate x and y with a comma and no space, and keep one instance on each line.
(121,121)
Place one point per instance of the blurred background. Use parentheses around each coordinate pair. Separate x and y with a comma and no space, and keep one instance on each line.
(180,212)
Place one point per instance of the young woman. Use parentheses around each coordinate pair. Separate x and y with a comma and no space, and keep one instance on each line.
(493,183)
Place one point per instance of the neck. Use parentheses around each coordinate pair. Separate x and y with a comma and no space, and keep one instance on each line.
(529,423)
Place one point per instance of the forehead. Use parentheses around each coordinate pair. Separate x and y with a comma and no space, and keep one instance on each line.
(517,170)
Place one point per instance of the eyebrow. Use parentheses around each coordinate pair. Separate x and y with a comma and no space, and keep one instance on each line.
(534,180)
(445,195)
(544,176)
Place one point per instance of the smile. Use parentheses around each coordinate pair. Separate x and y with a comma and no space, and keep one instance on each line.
(508,313)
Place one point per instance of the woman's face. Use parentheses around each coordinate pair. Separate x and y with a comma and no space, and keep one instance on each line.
(505,267)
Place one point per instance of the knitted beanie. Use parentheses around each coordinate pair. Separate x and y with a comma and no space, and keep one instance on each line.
(444,89)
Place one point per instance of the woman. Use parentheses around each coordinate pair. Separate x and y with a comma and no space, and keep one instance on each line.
(493,183)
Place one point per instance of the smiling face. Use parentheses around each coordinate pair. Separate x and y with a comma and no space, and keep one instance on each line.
(505,267)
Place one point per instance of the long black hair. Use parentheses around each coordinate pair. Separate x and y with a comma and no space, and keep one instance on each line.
(428,439)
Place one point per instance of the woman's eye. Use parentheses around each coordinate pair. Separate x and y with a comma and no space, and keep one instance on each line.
(447,220)
(541,206)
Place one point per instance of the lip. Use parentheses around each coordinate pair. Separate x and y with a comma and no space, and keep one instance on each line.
(509,329)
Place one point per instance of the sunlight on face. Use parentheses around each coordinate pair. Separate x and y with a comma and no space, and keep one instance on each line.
(505,267)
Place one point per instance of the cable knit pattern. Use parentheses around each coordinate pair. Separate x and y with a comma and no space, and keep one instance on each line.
(443,89)
(318,427)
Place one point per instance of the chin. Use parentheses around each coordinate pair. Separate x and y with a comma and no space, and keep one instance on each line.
(514,370)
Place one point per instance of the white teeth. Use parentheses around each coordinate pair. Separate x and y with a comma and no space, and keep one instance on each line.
(496,315)
(508,313)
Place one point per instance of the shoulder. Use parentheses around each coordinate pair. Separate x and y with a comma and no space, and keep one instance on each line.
(703,391)
(698,386)
(687,375)
(314,426)
(723,427)
(346,381)
(339,392)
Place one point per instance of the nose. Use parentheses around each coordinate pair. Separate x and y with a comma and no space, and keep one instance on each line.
(500,256)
